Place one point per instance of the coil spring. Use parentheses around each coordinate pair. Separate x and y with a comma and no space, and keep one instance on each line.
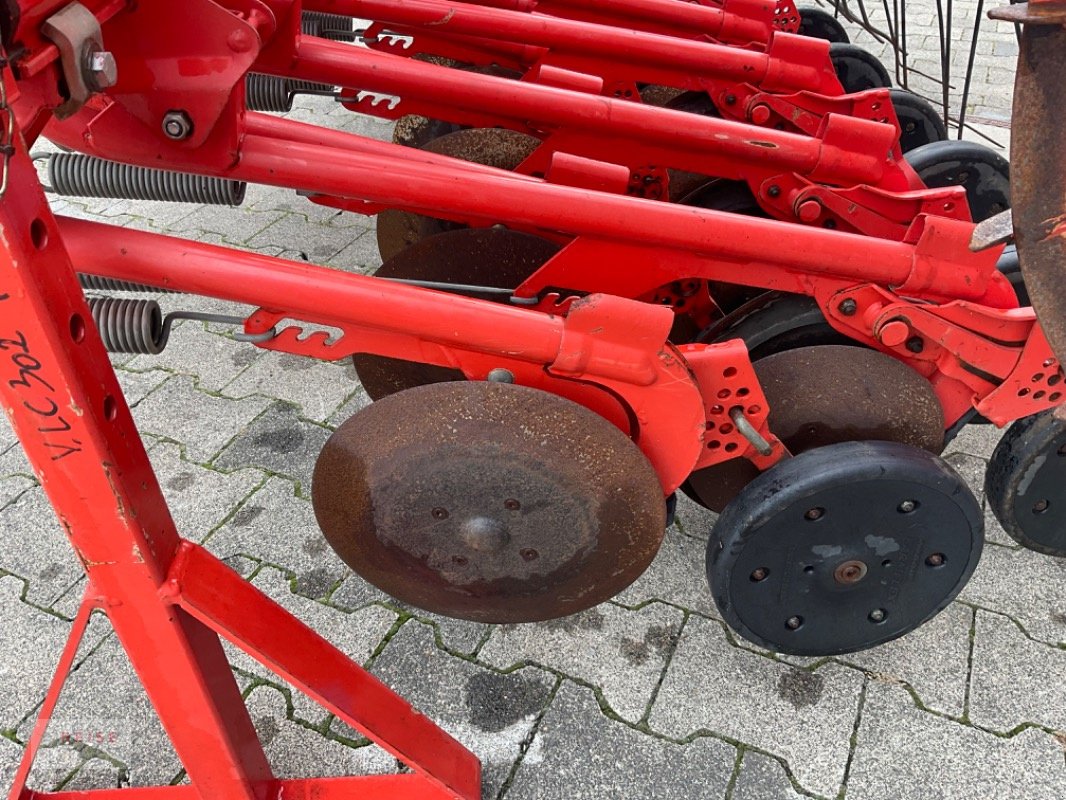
(99,283)
(270,93)
(87,176)
(328,26)
(130,326)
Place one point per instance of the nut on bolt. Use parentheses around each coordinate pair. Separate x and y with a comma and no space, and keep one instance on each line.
(101,71)
(177,125)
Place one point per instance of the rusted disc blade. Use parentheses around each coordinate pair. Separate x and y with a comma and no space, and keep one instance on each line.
(1038,170)
(828,394)
(489,502)
(492,147)
(474,256)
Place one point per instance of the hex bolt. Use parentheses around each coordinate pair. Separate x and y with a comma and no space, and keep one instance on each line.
(730,99)
(877,615)
(907,506)
(935,560)
(760,574)
(500,375)
(916,344)
(1040,506)
(774,191)
(794,623)
(101,71)
(177,125)
(848,307)
(814,513)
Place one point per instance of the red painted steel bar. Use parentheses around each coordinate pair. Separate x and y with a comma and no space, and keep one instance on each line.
(61,395)
(665,133)
(567,35)
(699,59)
(814,250)
(65,404)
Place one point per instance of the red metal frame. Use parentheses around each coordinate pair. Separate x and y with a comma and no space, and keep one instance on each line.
(168,600)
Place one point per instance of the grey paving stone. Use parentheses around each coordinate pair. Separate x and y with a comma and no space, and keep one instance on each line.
(105,705)
(804,717)
(1024,585)
(13,462)
(317,387)
(199,498)
(202,423)
(763,778)
(356,634)
(677,575)
(35,547)
(932,660)
(95,773)
(1015,680)
(233,228)
(693,519)
(458,635)
(30,641)
(54,767)
(279,441)
(971,469)
(360,256)
(138,385)
(278,527)
(490,713)
(620,651)
(356,401)
(976,440)
(214,360)
(10,753)
(903,752)
(12,486)
(580,754)
(7,434)
(322,242)
(295,751)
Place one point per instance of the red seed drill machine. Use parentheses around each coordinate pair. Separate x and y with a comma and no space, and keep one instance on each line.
(630,249)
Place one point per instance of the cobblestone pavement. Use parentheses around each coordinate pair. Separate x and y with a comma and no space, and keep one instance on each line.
(648,696)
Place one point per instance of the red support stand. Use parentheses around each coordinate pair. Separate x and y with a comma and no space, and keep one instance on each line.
(168,600)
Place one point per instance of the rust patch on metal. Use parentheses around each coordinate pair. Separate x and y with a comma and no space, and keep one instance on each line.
(1038,175)
(489,502)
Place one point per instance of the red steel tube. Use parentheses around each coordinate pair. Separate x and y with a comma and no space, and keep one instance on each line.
(445,319)
(605,41)
(323,61)
(457,191)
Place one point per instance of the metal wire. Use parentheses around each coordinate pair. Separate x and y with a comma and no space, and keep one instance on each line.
(138,326)
(75,174)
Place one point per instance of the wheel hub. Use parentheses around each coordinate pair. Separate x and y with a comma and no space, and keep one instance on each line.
(820,555)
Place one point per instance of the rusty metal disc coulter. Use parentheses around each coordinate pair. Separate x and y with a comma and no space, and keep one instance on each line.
(493,257)
(982,172)
(826,394)
(488,502)
(1026,482)
(491,147)
(843,548)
